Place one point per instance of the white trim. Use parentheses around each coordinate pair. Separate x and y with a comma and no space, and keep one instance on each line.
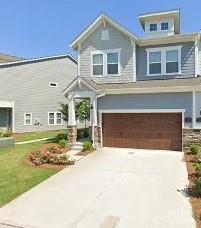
(52,86)
(196,58)
(100,20)
(31,119)
(134,60)
(163,62)
(193,109)
(55,119)
(104,53)
(137,111)
(6,104)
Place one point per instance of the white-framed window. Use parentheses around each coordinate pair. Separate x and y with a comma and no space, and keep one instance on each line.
(164,26)
(53,84)
(104,34)
(153,27)
(164,61)
(28,118)
(98,64)
(106,63)
(54,118)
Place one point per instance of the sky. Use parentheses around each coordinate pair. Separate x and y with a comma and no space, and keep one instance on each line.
(38,28)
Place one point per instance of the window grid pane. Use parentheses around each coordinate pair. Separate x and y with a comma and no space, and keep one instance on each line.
(97,59)
(172,56)
(155,57)
(164,26)
(112,58)
(153,27)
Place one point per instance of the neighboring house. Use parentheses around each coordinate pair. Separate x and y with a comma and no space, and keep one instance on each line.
(30,93)
(8,58)
(145,92)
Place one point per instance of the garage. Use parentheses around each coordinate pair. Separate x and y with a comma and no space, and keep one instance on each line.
(162,131)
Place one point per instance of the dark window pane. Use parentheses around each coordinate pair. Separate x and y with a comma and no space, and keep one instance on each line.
(112,68)
(164,26)
(112,58)
(98,70)
(172,67)
(154,68)
(153,27)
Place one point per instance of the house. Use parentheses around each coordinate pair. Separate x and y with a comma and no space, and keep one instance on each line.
(31,90)
(145,92)
(8,58)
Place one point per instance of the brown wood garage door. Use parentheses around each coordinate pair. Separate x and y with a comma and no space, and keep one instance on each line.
(143,130)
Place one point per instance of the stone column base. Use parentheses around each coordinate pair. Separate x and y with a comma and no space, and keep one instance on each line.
(191,136)
(72,134)
(97,136)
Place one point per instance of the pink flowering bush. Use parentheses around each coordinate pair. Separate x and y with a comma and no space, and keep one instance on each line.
(50,154)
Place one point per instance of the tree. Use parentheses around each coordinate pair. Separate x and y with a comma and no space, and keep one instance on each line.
(64,110)
(83,110)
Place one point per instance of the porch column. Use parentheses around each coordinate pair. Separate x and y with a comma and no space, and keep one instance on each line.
(193,109)
(72,131)
(95,128)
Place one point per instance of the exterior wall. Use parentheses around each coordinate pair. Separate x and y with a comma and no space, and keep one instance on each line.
(148,101)
(187,62)
(198,107)
(191,136)
(199,58)
(28,86)
(116,40)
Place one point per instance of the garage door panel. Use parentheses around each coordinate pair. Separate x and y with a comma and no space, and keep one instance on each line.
(143,130)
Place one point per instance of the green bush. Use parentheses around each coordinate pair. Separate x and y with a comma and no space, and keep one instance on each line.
(198,156)
(197,188)
(82,133)
(62,143)
(198,168)
(61,136)
(194,149)
(87,146)
(6,134)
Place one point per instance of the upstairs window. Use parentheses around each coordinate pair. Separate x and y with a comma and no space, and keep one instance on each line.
(98,64)
(153,27)
(172,61)
(106,63)
(27,118)
(164,61)
(155,62)
(112,63)
(164,26)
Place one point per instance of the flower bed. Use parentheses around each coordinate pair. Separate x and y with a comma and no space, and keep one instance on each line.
(50,153)
(192,159)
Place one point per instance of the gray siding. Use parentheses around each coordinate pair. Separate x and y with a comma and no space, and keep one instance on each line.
(148,101)
(199,58)
(116,40)
(28,86)
(187,62)
(198,107)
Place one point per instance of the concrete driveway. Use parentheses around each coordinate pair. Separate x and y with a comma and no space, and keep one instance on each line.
(121,188)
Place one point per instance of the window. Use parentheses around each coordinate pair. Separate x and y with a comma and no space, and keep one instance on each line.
(53,84)
(153,27)
(27,118)
(155,63)
(172,63)
(106,62)
(112,63)
(164,26)
(98,64)
(164,61)
(104,34)
(54,118)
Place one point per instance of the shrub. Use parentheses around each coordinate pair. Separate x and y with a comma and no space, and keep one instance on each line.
(62,143)
(59,159)
(6,134)
(198,168)
(197,188)
(87,146)
(198,156)
(82,133)
(194,149)
(61,136)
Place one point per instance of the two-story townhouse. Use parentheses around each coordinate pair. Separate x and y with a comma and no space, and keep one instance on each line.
(144,92)
(30,92)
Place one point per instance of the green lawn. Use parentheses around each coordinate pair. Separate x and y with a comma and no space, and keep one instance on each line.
(16,176)
(36,135)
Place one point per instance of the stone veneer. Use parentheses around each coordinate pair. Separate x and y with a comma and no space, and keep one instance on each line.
(191,136)
(97,136)
(72,134)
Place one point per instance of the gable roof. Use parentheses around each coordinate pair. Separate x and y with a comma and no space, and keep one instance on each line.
(102,19)
(4,58)
(36,60)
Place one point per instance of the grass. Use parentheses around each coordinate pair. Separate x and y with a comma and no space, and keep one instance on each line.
(16,176)
(36,135)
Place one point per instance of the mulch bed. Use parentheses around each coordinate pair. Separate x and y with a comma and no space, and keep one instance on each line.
(85,153)
(192,176)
